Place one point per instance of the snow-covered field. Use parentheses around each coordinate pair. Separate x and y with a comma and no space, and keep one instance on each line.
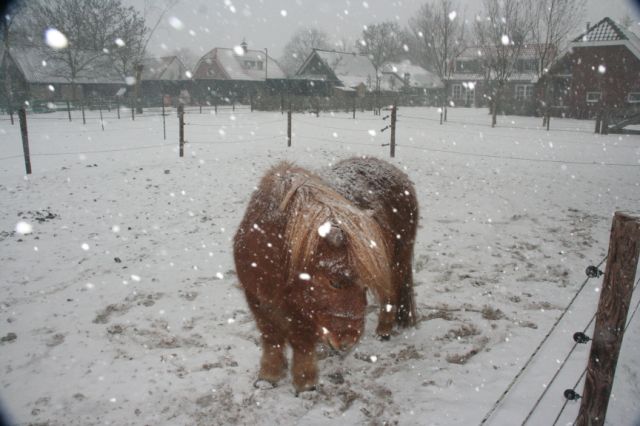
(122,307)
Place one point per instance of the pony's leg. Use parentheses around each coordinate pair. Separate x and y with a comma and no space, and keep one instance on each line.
(403,286)
(386,318)
(305,366)
(400,307)
(273,363)
(406,312)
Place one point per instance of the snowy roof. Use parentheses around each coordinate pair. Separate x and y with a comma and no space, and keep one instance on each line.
(39,65)
(527,51)
(529,77)
(226,64)
(418,76)
(350,68)
(165,68)
(608,33)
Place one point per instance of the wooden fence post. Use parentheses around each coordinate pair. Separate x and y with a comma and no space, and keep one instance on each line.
(548,112)
(615,297)
(69,110)
(164,125)
(604,126)
(392,145)
(354,107)
(22,115)
(181,128)
(84,120)
(101,120)
(289,126)
(118,107)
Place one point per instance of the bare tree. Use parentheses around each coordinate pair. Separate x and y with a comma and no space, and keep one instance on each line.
(89,26)
(300,46)
(187,56)
(627,21)
(553,22)
(382,43)
(149,7)
(7,21)
(127,47)
(502,34)
(439,32)
(16,26)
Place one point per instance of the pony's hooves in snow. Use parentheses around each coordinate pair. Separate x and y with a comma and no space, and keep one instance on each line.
(263,384)
(304,392)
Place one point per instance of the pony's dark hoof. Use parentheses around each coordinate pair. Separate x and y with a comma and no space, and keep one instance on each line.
(384,337)
(301,393)
(263,384)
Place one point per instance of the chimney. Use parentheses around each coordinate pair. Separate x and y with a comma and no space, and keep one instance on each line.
(244,45)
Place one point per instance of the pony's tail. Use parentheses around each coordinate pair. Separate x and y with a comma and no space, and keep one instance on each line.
(406,312)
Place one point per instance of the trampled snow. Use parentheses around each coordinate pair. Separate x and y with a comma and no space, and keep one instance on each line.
(148,325)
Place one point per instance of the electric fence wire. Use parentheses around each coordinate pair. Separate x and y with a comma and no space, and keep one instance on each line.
(566,401)
(537,349)
(559,369)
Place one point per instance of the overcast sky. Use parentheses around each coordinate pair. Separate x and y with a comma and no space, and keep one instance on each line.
(202,25)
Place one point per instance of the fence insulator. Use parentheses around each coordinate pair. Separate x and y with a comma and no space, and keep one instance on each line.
(385,117)
(571,395)
(580,337)
(382,130)
(593,272)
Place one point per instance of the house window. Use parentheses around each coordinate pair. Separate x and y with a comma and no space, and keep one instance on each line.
(467,66)
(633,97)
(251,65)
(593,97)
(457,92)
(524,91)
(526,65)
(259,65)
(392,82)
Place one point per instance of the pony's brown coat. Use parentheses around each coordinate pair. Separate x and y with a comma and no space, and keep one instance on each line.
(304,287)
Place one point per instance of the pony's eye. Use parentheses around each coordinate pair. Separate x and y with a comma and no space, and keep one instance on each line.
(336,284)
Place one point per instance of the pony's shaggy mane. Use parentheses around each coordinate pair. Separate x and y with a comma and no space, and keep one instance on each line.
(309,204)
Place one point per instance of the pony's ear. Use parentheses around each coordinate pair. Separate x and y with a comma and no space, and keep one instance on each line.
(336,237)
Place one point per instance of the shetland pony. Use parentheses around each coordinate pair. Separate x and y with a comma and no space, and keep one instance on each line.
(308,248)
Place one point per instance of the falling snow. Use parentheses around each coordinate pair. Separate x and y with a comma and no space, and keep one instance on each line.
(55,39)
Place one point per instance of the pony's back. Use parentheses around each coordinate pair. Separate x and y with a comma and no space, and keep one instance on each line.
(380,187)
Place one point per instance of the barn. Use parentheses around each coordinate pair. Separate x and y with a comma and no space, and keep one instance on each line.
(235,74)
(165,79)
(37,77)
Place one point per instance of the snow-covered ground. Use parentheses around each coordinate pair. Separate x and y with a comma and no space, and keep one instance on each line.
(122,307)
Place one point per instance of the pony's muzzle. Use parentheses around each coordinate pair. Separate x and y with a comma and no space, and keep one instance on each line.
(342,346)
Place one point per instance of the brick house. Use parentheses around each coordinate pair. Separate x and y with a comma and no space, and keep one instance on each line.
(601,70)
(468,85)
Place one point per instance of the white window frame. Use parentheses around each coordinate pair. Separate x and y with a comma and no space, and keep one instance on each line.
(633,97)
(591,99)
(526,92)
(460,95)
